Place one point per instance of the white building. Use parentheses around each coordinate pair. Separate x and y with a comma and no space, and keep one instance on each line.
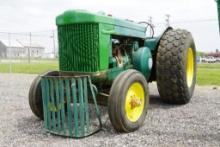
(19,50)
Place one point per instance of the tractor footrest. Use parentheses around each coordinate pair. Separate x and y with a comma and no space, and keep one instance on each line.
(66,108)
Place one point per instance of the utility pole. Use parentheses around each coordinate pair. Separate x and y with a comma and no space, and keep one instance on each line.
(29,52)
(54,47)
(151,23)
(167,20)
(9,52)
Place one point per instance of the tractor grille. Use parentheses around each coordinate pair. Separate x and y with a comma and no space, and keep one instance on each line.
(79,47)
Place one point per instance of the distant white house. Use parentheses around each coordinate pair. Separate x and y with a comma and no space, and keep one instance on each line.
(3,50)
(19,50)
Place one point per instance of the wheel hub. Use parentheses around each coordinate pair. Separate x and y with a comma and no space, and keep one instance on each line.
(134,102)
(190,67)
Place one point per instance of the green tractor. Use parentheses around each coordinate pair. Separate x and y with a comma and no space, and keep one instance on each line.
(109,61)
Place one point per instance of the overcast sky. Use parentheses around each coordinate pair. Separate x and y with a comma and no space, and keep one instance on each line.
(39,15)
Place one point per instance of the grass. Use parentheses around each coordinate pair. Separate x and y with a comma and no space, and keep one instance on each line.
(207,74)
(32,68)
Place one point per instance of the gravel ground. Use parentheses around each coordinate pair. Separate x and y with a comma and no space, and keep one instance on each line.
(194,124)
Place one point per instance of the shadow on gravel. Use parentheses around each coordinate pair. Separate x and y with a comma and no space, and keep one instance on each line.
(208,137)
(33,126)
(156,102)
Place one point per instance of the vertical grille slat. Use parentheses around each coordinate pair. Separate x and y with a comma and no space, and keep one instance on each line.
(79,47)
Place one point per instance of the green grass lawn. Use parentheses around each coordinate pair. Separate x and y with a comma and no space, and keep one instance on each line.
(32,68)
(207,74)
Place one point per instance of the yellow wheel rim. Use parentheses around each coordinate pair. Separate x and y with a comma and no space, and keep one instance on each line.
(134,102)
(190,67)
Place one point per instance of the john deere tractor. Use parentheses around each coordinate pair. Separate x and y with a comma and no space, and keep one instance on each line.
(108,61)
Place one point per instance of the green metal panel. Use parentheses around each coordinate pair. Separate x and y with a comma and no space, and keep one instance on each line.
(105,46)
(51,104)
(59,105)
(152,43)
(114,72)
(86,105)
(81,105)
(218,6)
(66,108)
(75,111)
(45,103)
(69,112)
(62,103)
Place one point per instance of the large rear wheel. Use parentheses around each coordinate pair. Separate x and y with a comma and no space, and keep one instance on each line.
(176,66)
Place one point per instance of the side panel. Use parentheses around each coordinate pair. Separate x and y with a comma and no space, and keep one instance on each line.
(104,45)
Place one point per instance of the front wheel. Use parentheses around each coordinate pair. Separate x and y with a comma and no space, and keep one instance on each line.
(35,96)
(128,101)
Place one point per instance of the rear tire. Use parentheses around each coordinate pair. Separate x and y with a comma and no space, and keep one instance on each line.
(128,101)
(176,67)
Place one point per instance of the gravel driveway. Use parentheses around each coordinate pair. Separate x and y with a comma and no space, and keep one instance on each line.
(194,124)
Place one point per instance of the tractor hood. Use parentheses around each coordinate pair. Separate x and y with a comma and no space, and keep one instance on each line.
(82,16)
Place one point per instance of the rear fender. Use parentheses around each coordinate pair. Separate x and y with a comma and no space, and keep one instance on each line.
(152,44)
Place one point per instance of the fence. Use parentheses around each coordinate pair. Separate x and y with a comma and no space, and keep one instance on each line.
(28,45)
(42,46)
(31,48)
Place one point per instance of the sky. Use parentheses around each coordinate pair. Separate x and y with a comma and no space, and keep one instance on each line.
(38,16)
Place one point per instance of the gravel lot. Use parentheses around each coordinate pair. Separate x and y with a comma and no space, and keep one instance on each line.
(194,124)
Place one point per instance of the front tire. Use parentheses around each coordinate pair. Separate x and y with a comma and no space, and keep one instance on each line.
(176,66)
(35,96)
(128,101)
